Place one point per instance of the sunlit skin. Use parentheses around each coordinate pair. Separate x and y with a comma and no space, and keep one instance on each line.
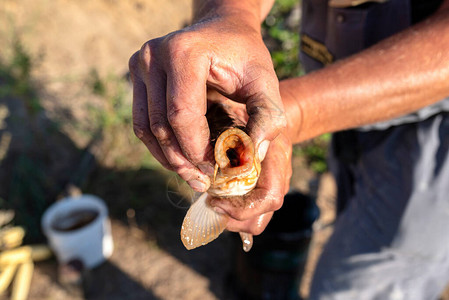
(271,186)
(171,75)
(397,76)
(224,52)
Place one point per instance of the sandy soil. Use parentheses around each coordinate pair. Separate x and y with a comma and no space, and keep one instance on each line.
(149,261)
(70,38)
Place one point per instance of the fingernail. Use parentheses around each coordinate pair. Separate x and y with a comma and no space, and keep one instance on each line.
(247,240)
(197,185)
(207,169)
(263,148)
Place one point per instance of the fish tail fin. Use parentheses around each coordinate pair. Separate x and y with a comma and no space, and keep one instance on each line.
(201,224)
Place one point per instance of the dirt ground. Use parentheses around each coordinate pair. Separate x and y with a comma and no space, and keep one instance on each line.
(67,40)
(71,38)
(149,261)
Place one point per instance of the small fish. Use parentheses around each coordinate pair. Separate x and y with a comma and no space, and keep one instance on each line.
(237,170)
(236,166)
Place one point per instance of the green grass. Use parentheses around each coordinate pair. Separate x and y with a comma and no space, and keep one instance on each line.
(28,187)
(32,184)
(282,37)
(116,112)
(15,78)
(315,152)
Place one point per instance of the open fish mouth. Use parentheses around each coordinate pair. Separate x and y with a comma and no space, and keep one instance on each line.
(236,167)
(237,170)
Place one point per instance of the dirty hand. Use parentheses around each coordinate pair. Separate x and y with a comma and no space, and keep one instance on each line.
(171,76)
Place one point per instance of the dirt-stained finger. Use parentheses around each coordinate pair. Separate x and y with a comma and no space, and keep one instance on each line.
(266,112)
(187,104)
(141,123)
(155,83)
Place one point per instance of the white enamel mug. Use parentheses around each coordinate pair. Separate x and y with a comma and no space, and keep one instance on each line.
(91,242)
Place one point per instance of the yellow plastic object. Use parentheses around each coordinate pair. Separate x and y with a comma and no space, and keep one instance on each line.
(17,262)
(40,252)
(22,282)
(11,237)
(15,256)
(6,277)
(23,254)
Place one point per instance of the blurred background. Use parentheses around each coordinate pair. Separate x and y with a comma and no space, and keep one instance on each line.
(66,128)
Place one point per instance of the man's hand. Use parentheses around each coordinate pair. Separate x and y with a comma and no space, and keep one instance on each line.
(171,75)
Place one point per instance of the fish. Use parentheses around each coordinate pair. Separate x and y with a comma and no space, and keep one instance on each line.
(236,166)
(237,169)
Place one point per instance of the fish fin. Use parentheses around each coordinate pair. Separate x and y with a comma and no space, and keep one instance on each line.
(201,224)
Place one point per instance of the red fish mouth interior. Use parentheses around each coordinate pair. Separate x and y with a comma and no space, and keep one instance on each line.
(237,156)
(234,152)
(237,152)
(234,157)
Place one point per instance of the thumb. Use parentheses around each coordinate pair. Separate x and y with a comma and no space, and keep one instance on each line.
(266,120)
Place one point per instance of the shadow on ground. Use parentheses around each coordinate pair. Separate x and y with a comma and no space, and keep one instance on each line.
(38,162)
(104,282)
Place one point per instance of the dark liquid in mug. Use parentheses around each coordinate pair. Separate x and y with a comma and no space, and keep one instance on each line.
(74,219)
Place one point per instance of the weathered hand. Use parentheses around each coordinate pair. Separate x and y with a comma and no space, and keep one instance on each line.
(171,76)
